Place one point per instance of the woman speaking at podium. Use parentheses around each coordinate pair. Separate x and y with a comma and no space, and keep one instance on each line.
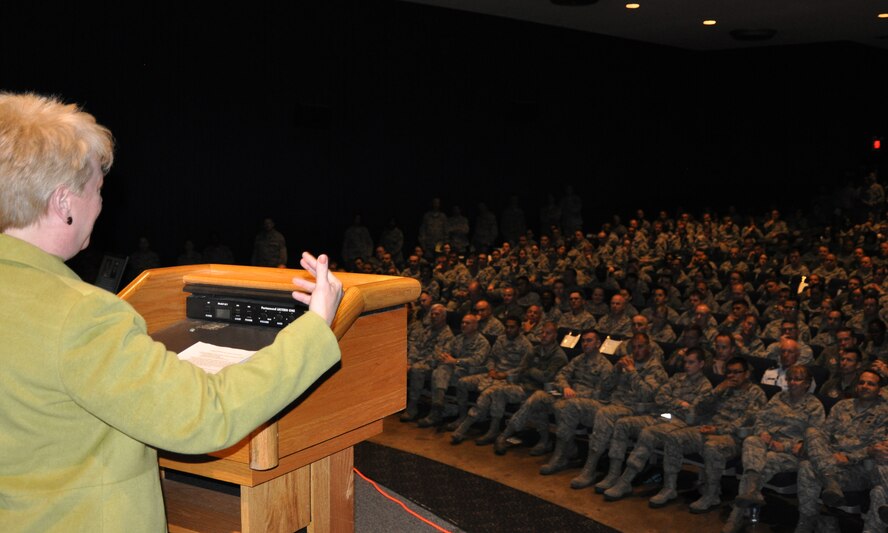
(85,394)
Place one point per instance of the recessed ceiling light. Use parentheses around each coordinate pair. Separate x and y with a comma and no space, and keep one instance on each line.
(881,15)
(709,22)
(633,6)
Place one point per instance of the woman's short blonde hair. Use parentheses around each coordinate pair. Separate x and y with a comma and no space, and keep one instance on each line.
(45,144)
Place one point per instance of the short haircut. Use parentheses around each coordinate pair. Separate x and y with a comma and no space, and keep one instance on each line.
(856,352)
(643,336)
(845,329)
(696,352)
(870,370)
(45,144)
(738,361)
(588,331)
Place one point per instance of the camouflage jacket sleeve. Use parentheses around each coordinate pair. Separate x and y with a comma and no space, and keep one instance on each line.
(853,431)
(540,371)
(681,389)
(646,381)
(564,375)
(473,351)
(739,409)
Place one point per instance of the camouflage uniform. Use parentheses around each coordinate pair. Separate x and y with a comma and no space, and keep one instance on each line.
(456,278)
(615,326)
(534,334)
(590,375)
(728,410)
(485,276)
(850,429)
(432,230)
(269,249)
(470,350)
(751,346)
(422,357)
(579,322)
(633,395)
(491,326)
(625,348)
(772,330)
(878,497)
(650,428)
(777,377)
(786,422)
(538,368)
(506,355)
(806,354)
(553,314)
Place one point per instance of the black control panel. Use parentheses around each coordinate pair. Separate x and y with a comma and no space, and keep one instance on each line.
(263,308)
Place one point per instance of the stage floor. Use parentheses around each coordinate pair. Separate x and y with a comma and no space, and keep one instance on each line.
(519,470)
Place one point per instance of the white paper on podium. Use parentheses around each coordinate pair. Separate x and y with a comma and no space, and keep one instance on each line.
(212,358)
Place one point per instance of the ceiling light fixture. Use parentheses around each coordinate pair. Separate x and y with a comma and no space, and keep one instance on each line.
(883,15)
(633,6)
(709,22)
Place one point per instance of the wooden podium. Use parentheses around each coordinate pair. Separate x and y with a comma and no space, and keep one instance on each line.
(295,471)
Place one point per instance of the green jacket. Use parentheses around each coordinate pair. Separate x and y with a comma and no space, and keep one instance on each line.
(86,396)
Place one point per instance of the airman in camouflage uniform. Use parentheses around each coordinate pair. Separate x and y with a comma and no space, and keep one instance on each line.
(676,397)
(617,322)
(840,453)
(538,367)
(422,357)
(721,413)
(502,363)
(487,323)
(577,319)
(638,378)
(879,492)
(464,355)
(640,324)
(776,441)
(589,375)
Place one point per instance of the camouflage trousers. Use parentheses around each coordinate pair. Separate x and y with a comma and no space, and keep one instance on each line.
(416,378)
(715,449)
(649,437)
(473,383)
(534,411)
(878,497)
(445,375)
(603,426)
(851,476)
(757,457)
(573,413)
(493,400)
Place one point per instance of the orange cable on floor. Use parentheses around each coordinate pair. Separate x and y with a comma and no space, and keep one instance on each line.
(399,502)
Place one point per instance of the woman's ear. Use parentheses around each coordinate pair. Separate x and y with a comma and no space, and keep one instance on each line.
(59,204)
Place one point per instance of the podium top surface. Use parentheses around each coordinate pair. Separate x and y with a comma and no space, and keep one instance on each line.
(158,294)
(378,292)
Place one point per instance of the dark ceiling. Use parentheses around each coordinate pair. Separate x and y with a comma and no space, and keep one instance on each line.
(679,23)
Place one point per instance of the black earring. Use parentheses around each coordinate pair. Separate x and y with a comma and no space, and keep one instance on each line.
(70,221)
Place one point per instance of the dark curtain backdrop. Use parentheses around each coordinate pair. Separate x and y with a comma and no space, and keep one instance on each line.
(313,112)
